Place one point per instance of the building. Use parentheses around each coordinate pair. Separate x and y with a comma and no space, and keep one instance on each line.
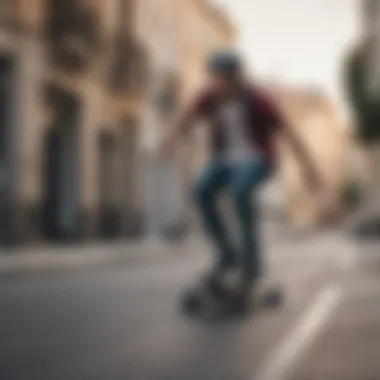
(88,90)
(159,27)
(219,31)
(73,78)
(315,120)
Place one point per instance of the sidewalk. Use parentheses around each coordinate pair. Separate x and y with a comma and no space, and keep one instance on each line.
(50,258)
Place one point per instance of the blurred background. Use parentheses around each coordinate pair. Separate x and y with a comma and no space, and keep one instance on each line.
(88,89)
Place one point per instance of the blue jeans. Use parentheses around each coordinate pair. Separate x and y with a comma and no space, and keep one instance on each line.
(241,181)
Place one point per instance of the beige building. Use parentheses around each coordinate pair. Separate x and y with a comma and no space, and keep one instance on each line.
(88,89)
(159,27)
(219,32)
(74,77)
(316,121)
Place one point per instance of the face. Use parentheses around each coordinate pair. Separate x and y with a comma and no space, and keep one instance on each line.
(224,84)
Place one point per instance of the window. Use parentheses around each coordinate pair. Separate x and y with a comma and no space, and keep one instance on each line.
(73,31)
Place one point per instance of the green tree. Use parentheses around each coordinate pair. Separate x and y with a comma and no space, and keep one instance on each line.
(366,109)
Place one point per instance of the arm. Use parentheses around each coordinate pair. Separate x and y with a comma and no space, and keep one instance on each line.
(305,159)
(182,126)
(277,120)
(188,118)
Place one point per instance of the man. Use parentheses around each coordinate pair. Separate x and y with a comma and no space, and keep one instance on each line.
(244,124)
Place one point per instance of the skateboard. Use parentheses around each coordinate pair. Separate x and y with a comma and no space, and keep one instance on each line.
(200,302)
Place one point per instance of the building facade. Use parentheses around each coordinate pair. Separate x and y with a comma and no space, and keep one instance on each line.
(88,90)
(315,120)
(159,27)
(74,79)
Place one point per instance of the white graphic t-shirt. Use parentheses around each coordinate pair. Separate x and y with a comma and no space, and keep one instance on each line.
(238,146)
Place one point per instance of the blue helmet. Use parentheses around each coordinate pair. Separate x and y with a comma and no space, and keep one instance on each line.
(224,62)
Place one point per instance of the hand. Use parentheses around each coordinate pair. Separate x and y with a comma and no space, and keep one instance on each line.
(322,196)
(314,182)
(167,147)
(325,203)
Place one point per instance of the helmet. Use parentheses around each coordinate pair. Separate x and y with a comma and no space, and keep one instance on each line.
(224,62)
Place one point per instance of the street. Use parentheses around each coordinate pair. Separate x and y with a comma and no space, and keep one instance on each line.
(123,322)
(120,121)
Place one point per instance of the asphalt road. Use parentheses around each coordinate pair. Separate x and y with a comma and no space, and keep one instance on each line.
(347,345)
(124,323)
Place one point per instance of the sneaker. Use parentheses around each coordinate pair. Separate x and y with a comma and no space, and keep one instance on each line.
(215,282)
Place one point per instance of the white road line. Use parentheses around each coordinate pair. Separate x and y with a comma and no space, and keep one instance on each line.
(364,288)
(307,328)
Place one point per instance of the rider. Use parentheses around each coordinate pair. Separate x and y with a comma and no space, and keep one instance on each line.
(244,124)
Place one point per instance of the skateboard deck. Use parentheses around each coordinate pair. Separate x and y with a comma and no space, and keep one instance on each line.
(198,302)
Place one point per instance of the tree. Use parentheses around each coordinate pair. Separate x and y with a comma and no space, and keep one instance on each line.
(366,110)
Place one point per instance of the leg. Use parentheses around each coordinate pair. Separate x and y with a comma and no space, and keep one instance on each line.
(245,178)
(213,179)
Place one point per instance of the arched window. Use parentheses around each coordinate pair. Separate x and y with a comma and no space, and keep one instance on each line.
(129,68)
(168,97)
(73,32)
(9,12)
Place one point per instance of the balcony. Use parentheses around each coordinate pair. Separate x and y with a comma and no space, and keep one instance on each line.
(128,72)
(168,97)
(73,34)
(9,13)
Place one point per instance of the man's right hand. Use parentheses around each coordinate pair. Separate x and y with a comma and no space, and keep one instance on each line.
(167,147)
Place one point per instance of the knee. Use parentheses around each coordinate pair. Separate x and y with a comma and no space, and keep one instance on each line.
(240,195)
(202,193)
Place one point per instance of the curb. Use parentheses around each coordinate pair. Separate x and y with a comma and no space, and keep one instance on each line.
(52,260)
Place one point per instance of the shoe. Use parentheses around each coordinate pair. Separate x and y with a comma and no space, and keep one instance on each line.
(239,301)
(215,283)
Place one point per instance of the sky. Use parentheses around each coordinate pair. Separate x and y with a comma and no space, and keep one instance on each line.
(298,42)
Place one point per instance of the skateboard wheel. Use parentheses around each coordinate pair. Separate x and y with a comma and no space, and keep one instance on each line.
(237,304)
(191,303)
(273,298)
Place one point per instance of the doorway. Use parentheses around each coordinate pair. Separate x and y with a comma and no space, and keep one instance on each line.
(109,216)
(7,96)
(132,208)
(61,213)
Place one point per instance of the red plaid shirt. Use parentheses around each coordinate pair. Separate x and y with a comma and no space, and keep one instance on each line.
(263,120)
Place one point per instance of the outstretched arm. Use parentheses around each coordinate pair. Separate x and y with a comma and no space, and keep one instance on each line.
(182,127)
(303,156)
(279,122)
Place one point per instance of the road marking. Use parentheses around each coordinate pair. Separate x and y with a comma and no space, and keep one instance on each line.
(363,288)
(307,328)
